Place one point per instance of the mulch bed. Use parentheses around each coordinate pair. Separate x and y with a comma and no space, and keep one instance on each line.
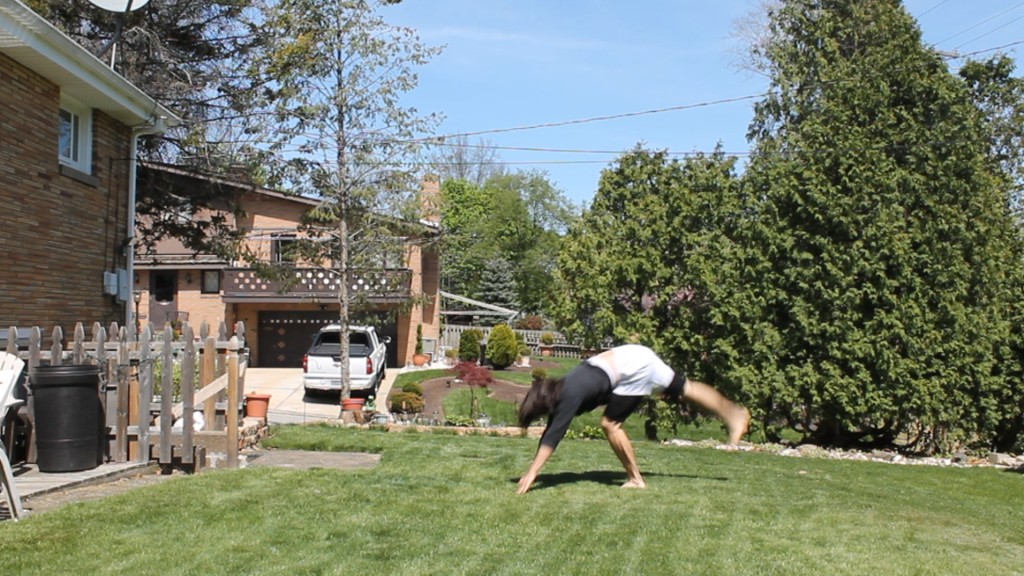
(434,390)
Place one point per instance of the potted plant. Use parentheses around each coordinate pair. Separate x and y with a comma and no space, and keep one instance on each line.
(547,343)
(419,358)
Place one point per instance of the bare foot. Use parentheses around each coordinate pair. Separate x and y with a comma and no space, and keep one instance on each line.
(635,484)
(738,425)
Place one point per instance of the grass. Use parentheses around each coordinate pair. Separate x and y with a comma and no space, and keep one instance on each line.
(441,504)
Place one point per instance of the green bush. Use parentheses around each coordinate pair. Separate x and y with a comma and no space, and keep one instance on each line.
(413,388)
(469,345)
(547,338)
(585,433)
(419,339)
(539,373)
(407,403)
(524,350)
(501,347)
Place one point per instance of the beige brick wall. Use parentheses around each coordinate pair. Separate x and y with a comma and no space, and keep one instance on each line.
(58,233)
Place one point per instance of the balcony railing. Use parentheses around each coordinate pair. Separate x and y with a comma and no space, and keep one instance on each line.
(316,284)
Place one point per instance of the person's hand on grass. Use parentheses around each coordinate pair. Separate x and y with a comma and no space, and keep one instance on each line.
(524,483)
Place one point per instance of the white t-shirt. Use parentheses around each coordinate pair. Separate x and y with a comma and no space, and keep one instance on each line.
(633,370)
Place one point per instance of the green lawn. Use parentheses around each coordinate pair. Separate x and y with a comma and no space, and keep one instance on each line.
(442,504)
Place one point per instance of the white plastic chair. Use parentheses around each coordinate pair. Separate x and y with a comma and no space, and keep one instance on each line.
(10,369)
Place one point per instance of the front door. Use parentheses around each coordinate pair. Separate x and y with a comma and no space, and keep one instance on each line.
(163,298)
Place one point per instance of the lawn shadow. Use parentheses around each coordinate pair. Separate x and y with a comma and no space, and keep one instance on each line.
(609,477)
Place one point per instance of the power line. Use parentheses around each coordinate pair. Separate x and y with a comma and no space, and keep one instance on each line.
(441,139)
(989,19)
(991,31)
(932,8)
(976,52)
(560,150)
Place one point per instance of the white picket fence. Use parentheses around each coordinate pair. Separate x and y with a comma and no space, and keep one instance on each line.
(561,349)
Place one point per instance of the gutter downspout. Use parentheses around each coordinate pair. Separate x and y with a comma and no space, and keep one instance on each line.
(157,126)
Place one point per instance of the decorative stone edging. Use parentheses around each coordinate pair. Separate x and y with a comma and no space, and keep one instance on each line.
(960,460)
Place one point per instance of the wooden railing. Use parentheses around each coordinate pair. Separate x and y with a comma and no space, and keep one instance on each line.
(146,384)
(317,284)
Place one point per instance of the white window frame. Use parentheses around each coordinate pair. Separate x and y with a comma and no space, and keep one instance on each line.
(79,156)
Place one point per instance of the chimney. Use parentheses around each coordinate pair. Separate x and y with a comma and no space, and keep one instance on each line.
(430,199)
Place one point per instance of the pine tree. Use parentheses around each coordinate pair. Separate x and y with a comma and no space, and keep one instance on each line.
(880,282)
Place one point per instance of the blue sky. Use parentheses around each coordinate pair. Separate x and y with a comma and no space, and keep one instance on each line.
(513,63)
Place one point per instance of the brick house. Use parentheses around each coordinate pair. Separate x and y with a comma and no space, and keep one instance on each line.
(68,132)
(174,284)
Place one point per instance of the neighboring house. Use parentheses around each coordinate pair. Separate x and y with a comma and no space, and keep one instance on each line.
(175,284)
(68,132)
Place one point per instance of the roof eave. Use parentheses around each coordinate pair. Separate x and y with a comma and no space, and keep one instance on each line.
(33,42)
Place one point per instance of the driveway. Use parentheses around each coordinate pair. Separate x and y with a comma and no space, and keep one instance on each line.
(288,401)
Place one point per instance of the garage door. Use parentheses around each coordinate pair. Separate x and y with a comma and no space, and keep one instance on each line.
(285,336)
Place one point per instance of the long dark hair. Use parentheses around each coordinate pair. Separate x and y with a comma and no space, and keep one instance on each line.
(540,400)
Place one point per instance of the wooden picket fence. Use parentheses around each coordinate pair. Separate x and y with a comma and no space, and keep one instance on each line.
(139,378)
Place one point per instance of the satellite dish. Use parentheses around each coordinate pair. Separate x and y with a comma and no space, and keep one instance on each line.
(119,5)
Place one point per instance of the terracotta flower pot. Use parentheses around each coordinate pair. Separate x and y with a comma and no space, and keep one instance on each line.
(353,404)
(419,359)
(256,405)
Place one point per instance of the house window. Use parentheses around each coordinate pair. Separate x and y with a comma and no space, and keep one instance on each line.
(75,135)
(211,282)
(383,253)
(282,248)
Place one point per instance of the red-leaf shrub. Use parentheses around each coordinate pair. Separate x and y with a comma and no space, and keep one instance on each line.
(472,374)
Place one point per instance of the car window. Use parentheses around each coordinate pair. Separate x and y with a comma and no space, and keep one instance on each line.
(329,344)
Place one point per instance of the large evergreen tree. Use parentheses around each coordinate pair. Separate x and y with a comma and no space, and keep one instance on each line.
(884,232)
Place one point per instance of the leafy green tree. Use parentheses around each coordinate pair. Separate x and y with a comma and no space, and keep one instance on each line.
(652,255)
(518,217)
(880,280)
(332,77)
(530,215)
(465,210)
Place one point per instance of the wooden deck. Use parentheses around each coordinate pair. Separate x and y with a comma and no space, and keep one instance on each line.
(31,482)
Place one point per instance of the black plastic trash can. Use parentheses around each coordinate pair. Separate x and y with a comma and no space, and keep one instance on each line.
(69,417)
